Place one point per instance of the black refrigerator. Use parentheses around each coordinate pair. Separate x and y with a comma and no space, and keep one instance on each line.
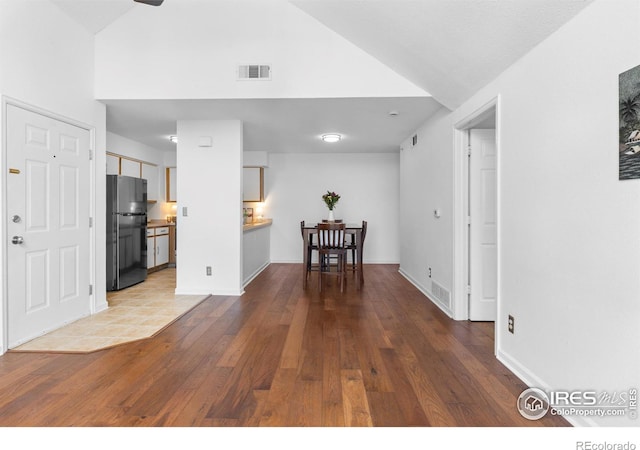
(126,231)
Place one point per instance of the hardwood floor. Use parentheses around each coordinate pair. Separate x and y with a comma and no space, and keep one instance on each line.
(280,356)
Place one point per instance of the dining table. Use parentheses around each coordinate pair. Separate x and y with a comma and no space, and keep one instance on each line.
(350,228)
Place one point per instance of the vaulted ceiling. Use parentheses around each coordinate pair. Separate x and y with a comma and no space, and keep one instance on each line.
(449,48)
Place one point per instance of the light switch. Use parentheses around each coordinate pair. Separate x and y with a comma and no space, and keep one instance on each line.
(184,211)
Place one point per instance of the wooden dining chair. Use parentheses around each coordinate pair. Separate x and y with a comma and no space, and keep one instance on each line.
(353,246)
(310,248)
(331,246)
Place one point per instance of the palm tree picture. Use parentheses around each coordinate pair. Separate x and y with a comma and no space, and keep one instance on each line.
(629,118)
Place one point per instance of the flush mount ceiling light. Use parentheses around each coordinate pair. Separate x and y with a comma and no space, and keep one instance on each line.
(331,137)
(150,2)
(173,139)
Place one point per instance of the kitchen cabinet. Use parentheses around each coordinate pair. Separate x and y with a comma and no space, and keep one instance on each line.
(151,250)
(172,181)
(157,248)
(113,164)
(150,173)
(253,184)
(122,165)
(129,167)
(162,249)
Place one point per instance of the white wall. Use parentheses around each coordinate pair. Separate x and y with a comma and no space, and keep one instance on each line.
(47,62)
(137,150)
(190,49)
(425,185)
(255,159)
(369,189)
(134,149)
(569,245)
(210,187)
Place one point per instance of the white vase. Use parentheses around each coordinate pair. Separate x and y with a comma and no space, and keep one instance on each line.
(331,218)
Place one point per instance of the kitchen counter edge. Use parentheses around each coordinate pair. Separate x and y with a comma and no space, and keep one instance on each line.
(159,223)
(258,224)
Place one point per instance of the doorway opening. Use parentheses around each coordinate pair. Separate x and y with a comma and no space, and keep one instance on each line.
(477,212)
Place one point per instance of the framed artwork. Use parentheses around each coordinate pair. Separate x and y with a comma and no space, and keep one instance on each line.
(629,136)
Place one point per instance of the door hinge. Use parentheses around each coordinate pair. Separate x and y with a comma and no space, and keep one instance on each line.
(91,289)
(469,290)
(468,220)
(90,155)
(90,222)
(469,151)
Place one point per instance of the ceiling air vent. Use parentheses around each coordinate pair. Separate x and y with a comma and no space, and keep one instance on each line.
(254,72)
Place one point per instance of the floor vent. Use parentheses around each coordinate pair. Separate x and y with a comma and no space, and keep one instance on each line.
(441,294)
(254,72)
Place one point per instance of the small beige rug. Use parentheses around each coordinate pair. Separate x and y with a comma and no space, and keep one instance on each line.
(138,312)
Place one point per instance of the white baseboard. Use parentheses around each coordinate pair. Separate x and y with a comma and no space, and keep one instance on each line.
(519,370)
(531,380)
(231,292)
(255,274)
(101,307)
(427,293)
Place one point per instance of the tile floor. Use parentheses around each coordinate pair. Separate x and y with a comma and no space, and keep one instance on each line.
(134,313)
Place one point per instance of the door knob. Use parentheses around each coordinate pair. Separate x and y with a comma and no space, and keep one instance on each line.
(16,219)
(17,240)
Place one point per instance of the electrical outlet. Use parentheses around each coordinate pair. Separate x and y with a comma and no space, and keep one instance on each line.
(429,272)
(511,324)
(208,271)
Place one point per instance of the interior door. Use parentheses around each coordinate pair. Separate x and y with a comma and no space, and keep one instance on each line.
(48,224)
(483,250)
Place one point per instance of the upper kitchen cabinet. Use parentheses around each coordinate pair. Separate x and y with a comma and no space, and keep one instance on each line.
(150,173)
(253,184)
(172,177)
(123,165)
(113,164)
(253,175)
(130,168)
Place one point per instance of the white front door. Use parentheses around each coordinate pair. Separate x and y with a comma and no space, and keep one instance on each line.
(48,224)
(483,250)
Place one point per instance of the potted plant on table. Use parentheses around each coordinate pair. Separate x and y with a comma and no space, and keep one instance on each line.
(330,199)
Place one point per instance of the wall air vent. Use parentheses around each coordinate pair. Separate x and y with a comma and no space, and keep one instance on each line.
(254,72)
(442,295)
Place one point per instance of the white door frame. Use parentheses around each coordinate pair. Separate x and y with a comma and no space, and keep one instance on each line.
(460,208)
(4,330)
